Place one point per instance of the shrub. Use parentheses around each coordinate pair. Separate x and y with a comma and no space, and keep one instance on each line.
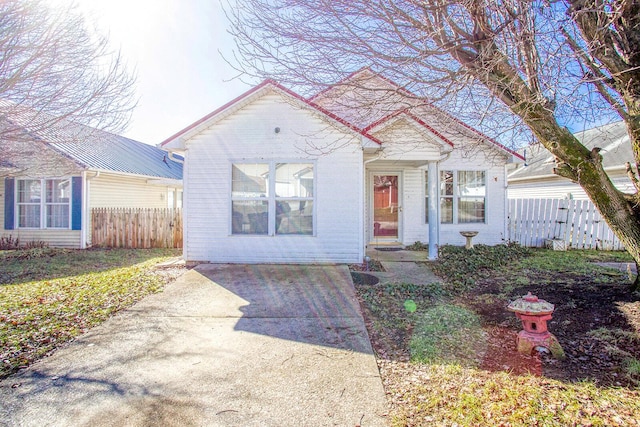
(8,243)
(461,267)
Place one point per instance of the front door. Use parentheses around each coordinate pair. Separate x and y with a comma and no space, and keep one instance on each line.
(386,207)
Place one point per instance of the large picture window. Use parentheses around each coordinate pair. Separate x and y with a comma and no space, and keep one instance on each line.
(462,197)
(274,198)
(44,203)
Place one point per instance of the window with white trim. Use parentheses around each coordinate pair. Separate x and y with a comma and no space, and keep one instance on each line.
(43,203)
(462,197)
(274,198)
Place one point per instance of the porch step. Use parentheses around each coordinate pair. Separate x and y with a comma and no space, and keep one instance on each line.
(407,272)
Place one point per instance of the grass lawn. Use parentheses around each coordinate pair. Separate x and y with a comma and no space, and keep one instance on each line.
(447,352)
(49,296)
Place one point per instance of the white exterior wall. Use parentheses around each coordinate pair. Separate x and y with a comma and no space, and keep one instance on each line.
(402,142)
(249,135)
(493,231)
(414,207)
(107,190)
(413,197)
(557,187)
(120,191)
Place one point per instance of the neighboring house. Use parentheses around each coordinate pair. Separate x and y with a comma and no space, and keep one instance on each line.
(272,177)
(54,176)
(535,178)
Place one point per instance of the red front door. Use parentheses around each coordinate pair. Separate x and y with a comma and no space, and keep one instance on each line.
(385,206)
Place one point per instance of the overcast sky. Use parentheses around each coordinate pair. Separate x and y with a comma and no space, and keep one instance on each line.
(174,47)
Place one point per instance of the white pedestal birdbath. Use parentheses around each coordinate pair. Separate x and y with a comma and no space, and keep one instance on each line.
(469,236)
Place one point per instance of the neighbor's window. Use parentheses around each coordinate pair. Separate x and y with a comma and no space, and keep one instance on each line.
(462,197)
(44,203)
(283,205)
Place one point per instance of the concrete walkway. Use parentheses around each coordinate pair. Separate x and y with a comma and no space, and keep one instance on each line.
(402,266)
(626,267)
(222,346)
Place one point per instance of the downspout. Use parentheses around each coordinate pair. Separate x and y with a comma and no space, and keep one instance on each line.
(86,211)
(433,211)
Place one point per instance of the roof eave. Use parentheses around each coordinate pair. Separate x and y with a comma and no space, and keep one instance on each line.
(390,119)
(130,174)
(179,140)
(616,168)
(513,159)
(206,121)
(169,182)
(533,178)
(174,145)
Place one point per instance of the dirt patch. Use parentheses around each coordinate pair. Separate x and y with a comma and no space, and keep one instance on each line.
(596,320)
(360,278)
(597,324)
(473,374)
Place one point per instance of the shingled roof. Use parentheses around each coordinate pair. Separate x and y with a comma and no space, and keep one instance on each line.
(364,102)
(612,139)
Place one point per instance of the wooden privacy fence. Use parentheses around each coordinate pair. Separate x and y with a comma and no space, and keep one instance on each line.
(577,223)
(137,228)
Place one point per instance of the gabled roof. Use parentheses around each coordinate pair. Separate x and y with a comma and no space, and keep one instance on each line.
(613,140)
(256,92)
(91,148)
(364,103)
(368,99)
(406,113)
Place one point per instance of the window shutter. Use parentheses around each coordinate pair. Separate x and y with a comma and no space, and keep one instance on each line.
(9,203)
(76,203)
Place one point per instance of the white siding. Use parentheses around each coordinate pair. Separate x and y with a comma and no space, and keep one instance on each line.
(493,231)
(402,141)
(249,135)
(560,188)
(414,227)
(414,208)
(119,191)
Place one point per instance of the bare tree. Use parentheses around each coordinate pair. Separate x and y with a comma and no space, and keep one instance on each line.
(544,64)
(55,71)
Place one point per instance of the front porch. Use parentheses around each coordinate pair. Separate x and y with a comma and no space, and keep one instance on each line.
(396,211)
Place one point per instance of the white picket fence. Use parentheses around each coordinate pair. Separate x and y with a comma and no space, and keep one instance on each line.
(577,223)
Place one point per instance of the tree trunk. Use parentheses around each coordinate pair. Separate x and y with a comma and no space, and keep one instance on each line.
(574,161)
(584,167)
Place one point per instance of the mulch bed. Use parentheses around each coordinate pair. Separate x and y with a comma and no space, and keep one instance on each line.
(581,307)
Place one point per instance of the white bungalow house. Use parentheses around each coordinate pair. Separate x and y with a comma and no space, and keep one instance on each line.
(273,177)
(54,176)
(534,179)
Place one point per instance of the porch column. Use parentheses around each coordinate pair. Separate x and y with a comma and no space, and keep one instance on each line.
(432,213)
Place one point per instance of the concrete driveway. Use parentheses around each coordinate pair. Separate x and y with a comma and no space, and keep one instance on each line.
(224,345)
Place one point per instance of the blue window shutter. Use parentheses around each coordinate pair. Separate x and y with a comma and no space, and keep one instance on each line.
(76,203)
(9,205)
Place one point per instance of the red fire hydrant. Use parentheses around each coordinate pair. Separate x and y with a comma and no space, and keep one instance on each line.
(534,314)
